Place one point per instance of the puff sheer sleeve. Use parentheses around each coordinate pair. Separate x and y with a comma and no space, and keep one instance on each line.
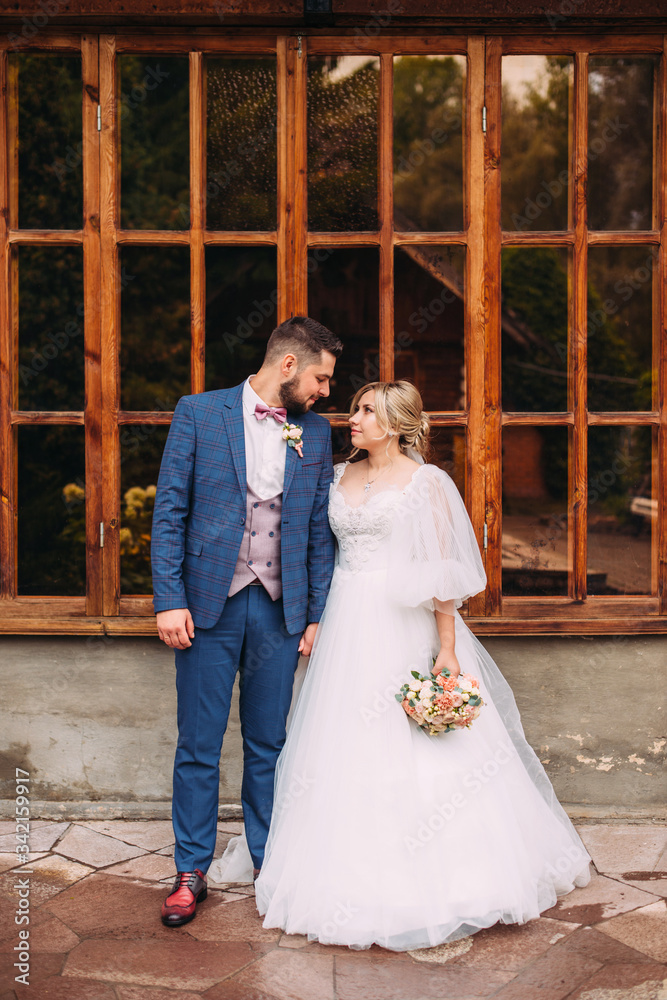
(435,560)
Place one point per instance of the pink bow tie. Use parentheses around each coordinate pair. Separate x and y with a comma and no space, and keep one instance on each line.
(279,413)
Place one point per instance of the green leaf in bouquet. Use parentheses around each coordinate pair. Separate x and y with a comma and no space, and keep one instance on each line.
(474,700)
(416,674)
(399,697)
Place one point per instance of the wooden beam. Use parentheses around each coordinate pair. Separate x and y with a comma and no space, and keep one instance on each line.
(7,433)
(475,312)
(197,120)
(385,138)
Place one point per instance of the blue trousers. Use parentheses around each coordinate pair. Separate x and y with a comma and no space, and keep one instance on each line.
(249,637)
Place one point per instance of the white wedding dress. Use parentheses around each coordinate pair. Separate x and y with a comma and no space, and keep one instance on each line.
(381,833)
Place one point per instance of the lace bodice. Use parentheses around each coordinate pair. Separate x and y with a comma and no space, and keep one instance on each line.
(363,532)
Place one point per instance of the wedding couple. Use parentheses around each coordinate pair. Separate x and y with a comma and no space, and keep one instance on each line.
(361,827)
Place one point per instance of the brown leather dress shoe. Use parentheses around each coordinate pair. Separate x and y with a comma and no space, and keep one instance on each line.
(181,904)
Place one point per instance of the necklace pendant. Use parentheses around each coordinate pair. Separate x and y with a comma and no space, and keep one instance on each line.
(367,487)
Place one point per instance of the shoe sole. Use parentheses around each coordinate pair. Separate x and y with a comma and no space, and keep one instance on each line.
(186,920)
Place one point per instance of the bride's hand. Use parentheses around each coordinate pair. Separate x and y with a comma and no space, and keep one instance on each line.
(447,658)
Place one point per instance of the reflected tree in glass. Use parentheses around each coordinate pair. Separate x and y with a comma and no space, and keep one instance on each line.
(429,323)
(51,511)
(49,140)
(620,321)
(241,144)
(534,149)
(342,143)
(620,142)
(428,142)
(155,327)
(141,448)
(241,311)
(154,142)
(51,337)
(343,293)
(534,323)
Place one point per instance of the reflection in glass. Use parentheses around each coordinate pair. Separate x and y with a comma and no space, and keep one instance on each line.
(241,311)
(620,319)
(241,143)
(342,143)
(154,131)
(50,145)
(534,545)
(343,294)
(51,511)
(141,447)
(448,452)
(429,323)
(621,510)
(534,311)
(620,142)
(51,342)
(428,142)
(534,149)
(155,327)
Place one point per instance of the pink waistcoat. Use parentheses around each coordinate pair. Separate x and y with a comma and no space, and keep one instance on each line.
(259,555)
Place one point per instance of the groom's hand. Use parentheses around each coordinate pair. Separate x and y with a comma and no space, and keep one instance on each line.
(175,627)
(307,639)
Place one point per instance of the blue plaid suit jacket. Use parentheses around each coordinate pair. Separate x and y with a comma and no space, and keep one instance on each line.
(200,507)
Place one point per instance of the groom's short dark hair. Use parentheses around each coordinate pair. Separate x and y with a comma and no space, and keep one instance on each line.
(305,338)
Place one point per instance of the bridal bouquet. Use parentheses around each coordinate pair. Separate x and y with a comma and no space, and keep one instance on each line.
(438,704)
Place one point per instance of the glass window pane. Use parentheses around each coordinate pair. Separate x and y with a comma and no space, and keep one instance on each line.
(342,143)
(155,150)
(428,142)
(429,323)
(534,546)
(448,452)
(534,312)
(621,510)
(343,294)
(534,149)
(241,144)
(50,129)
(51,511)
(141,447)
(620,320)
(241,311)
(155,327)
(51,341)
(620,142)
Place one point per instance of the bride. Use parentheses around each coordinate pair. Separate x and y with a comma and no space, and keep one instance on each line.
(381,833)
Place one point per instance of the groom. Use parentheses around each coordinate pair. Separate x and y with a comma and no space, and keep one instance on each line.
(242,557)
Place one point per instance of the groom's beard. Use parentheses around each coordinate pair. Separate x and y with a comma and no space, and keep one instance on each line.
(291,398)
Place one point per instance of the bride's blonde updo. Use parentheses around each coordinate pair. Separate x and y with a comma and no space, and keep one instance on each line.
(398,410)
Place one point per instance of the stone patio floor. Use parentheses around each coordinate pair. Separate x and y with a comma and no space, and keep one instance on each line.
(95,931)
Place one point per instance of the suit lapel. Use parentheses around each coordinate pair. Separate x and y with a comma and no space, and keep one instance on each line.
(233,412)
(291,458)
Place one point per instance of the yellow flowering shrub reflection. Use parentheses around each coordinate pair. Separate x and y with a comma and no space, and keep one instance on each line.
(135,540)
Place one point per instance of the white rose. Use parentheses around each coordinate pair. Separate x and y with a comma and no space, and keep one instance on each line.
(464,684)
(295,432)
(465,695)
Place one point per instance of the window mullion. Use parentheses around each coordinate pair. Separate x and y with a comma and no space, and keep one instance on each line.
(91,311)
(110,324)
(197,220)
(474,293)
(577,381)
(386,213)
(660,339)
(489,304)
(298,52)
(7,376)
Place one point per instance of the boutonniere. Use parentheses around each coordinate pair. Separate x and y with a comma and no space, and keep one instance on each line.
(293,434)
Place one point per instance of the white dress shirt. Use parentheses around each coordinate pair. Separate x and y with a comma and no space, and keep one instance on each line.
(265,449)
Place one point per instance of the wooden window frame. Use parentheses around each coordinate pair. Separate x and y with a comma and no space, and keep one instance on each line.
(104,609)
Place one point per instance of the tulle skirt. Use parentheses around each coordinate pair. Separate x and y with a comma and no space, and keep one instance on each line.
(383,834)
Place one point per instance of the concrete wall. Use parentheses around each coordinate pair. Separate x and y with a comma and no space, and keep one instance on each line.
(93,719)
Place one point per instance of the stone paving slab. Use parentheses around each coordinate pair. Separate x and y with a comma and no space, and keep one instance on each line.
(96,932)
(95,849)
